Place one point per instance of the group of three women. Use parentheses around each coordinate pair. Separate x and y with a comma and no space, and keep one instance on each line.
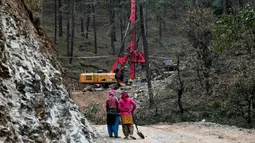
(123,108)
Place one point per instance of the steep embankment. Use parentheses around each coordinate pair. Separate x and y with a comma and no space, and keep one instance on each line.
(34,104)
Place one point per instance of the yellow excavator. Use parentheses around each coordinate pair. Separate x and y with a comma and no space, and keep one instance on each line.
(97,78)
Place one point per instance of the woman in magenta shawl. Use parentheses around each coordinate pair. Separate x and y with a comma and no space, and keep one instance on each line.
(112,114)
(126,107)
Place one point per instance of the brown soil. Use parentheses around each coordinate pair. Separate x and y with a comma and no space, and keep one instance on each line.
(85,100)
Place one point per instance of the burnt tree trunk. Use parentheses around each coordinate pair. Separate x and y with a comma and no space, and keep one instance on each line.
(87,26)
(146,21)
(181,86)
(88,19)
(112,24)
(60,25)
(72,38)
(82,17)
(67,36)
(249,117)
(113,18)
(68,28)
(121,30)
(146,54)
(164,21)
(121,22)
(94,26)
(55,32)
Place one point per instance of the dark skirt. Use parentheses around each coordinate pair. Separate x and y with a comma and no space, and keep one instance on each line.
(111,115)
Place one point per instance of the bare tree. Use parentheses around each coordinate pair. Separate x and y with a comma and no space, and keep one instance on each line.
(159,19)
(121,21)
(88,18)
(145,13)
(73,27)
(180,90)
(68,28)
(82,17)
(146,54)
(55,33)
(60,25)
(112,24)
(94,26)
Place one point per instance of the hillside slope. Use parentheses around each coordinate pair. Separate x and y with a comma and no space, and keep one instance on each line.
(84,47)
(214,85)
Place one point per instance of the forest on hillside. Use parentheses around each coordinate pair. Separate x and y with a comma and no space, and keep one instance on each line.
(211,41)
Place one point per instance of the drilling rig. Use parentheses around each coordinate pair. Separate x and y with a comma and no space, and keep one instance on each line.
(131,56)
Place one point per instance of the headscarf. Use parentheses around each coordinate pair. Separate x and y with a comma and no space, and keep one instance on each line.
(124,95)
(111,93)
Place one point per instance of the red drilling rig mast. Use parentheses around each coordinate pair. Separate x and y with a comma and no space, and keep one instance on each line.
(133,55)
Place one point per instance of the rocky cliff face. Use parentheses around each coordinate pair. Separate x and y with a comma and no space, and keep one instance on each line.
(34,103)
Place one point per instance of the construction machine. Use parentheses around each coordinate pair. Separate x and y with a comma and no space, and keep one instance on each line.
(132,56)
(98,78)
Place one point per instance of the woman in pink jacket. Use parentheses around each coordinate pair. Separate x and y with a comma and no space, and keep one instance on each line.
(126,107)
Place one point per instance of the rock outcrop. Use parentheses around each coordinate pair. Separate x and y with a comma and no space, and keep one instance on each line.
(34,103)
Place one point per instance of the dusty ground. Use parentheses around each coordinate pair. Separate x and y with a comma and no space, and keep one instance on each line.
(184,133)
(85,100)
(201,132)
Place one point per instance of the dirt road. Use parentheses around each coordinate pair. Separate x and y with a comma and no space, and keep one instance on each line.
(199,132)
(183,133)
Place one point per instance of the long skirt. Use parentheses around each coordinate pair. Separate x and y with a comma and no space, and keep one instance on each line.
(127,125)
(127,119)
